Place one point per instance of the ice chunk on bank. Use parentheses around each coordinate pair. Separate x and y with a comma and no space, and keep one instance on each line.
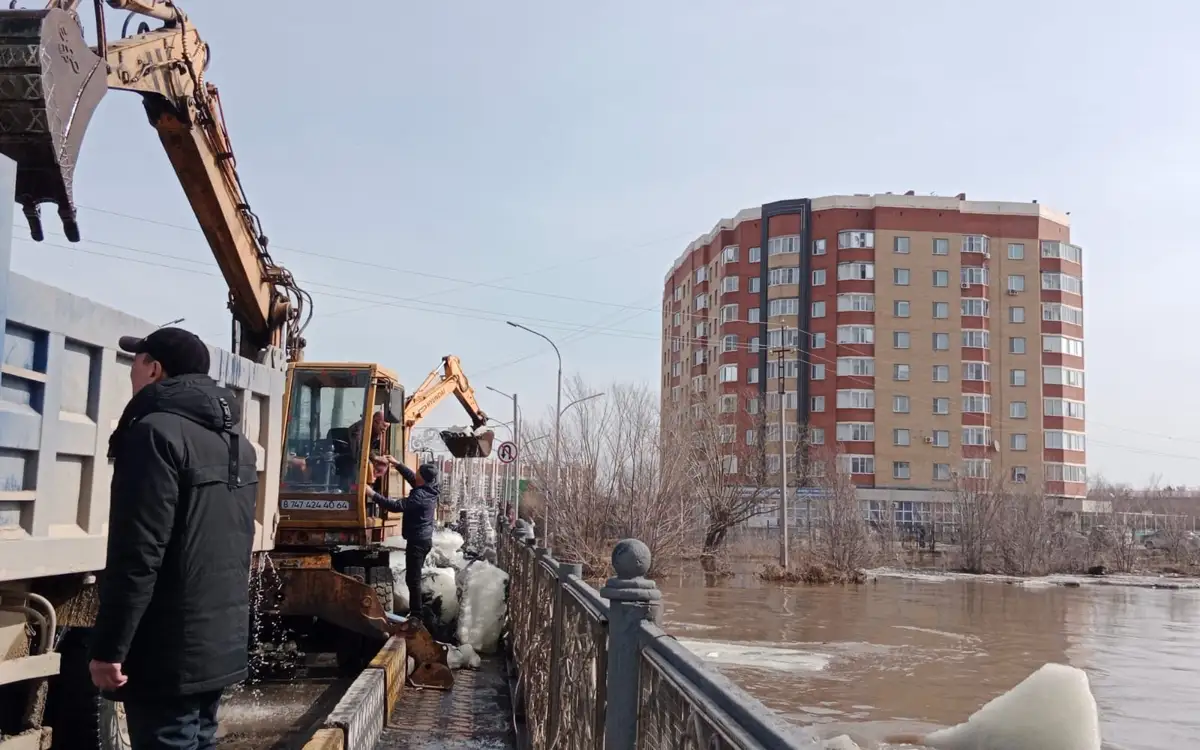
(1052,708)
(483,607)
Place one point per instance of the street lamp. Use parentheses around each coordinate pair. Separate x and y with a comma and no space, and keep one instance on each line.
(557,418)
(580,401)
(516,430)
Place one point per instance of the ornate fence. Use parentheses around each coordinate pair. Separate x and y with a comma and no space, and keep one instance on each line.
(594,670)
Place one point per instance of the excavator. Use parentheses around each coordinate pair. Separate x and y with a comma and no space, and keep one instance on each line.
(330,552)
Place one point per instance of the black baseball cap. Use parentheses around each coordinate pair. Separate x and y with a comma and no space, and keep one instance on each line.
(179,352)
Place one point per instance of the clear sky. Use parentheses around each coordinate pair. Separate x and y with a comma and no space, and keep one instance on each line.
(432,169)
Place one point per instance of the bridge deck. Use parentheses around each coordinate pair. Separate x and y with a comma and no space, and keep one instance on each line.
(475,715)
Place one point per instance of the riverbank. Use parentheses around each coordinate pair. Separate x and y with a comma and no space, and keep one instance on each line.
(1132,580)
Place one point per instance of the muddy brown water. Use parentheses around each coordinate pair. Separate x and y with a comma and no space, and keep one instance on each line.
(895,654)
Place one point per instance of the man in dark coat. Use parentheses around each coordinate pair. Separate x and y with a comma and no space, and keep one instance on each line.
(419,509)
(172,628)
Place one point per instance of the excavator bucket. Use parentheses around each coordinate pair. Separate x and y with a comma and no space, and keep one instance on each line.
(50,85)
(466,444)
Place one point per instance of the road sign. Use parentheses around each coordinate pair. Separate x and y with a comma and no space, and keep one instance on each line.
(507,452)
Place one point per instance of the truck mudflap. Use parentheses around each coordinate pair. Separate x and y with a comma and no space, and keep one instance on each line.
(310,589)
(50,85)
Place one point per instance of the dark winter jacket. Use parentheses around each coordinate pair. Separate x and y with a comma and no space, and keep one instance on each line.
(174,606)
(419,508)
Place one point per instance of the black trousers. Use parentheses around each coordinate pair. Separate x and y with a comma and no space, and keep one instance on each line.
(181,722)
(414,560)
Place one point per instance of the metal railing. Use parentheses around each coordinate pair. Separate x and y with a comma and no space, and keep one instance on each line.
(595,671)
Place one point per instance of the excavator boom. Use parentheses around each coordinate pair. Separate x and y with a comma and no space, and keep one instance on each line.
(51,83)
(445,379)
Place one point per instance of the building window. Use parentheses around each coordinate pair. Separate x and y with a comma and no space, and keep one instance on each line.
(818,277)
(941,246)
(976,306)
(1016,315)
(818,247)
(1016,377)
(941,278)
(900,276)
(977,468)
(856,334)
(701,330)
(1066,473)
(1062,376)
(974,275)
(755,345)
(976,436)
(701,274)
(701,301)
(729,403)
(818,372)
(855,239)
(729,313)
(941,342)
(901,437)
(900,372)
(754,255)
(676,320)
(900,470)
(1018,410)
(941,373)
(676,369)
(856,432)
(1020,474)
(725,433)
(752,375)
(676,391)
(783,338)
(900,308)
(941,310)
(1063,345)
(783,276)
(752,315)
(751,437)
(1061,282)
(818,309)
(900,404)
(1016,251)
(976,338)
(783,245)
(856,271)
(1018,441)
(1065,441)
(1016,283)
(700,356)
(941,405)
(941,472)
(1060,313)
(729,284)
(1063,250)
(752,406)
(729,254)
(818,340)
(980,372)
(900,244)
(784,306)
(858,464)
(816,404)
(729,342)
(973,403)
(856,399)
(856,366)
(941,438)
(1062,407)
(856,303)
(816,435)
(755,284)
(900,339)
(974,243)
(1016,345)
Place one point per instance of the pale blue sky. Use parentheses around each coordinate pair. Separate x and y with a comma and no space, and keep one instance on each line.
(567,151)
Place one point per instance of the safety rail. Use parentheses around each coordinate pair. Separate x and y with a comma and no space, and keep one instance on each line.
(596,671)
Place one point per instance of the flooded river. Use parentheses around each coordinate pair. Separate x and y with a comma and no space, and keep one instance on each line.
(900,651)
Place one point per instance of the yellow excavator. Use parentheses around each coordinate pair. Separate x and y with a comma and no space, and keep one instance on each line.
(330,555)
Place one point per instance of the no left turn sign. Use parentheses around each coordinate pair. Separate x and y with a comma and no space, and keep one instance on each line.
(507,452)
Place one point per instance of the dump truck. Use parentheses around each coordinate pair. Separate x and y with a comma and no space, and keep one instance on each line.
(314,425)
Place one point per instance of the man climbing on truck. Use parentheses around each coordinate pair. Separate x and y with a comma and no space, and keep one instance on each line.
(419,510)
(172,629)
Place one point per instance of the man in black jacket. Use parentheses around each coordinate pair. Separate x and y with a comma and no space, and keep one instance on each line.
(172,629)
(419,510)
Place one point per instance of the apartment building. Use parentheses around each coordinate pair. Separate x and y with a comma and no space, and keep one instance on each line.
(930,338)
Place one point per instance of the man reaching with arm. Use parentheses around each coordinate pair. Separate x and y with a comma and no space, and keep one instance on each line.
(417,526)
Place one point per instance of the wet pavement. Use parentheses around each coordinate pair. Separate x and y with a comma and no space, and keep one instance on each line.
(475,715)
(894,654)
(278,715)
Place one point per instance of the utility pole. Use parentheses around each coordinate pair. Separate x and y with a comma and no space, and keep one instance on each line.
(516,503)
(783,498)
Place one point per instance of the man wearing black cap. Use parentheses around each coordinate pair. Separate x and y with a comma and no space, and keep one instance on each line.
(419,510)
(172,628)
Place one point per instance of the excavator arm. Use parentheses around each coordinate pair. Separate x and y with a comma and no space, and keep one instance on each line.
(51,83)
(445,379)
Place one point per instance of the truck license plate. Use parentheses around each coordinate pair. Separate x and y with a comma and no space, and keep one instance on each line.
(315,504)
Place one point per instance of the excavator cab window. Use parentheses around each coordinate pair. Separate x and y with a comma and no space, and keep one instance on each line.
(324,431)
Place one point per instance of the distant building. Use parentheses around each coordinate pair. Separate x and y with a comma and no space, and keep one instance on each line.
(926,335)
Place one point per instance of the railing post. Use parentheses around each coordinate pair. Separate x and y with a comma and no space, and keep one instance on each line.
(558,635)
(632,598)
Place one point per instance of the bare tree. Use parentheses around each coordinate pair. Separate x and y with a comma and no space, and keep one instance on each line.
(1026,531)
(976,503)
(844,542)
(1113,539)
(617,477)
(726,457)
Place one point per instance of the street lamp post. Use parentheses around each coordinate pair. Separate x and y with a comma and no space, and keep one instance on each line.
(557,418)
(516,464)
